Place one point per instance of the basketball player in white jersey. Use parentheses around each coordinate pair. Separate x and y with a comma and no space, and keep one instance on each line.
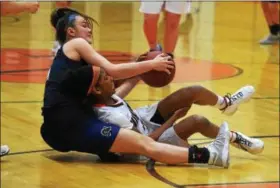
(158,120)
(173,11)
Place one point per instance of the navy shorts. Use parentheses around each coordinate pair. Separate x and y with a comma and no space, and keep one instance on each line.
(70,129)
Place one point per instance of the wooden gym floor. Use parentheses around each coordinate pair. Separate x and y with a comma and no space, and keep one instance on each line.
(217,48)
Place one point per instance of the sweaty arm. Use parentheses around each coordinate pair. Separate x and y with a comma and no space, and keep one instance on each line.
(118,71)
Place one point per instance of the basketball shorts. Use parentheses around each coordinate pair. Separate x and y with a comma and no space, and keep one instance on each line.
(155,7)
(67,129)
(146,113)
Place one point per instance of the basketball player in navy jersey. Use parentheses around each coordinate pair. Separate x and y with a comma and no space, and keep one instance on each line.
(68,120)
(157,120)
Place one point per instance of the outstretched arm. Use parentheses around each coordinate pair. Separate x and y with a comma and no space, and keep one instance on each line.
(124,70)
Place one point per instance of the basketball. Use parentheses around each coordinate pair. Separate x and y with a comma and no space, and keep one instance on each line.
(157,78)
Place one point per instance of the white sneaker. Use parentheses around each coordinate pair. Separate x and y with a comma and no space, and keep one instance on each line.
(251,145)
(270,39)
(219,148)
(4,150)
(243,95)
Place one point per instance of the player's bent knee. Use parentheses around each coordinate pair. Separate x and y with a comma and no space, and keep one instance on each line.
(191,90)
(200,120)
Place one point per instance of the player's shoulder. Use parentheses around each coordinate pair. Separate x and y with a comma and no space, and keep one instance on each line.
(76,43)
(78,40)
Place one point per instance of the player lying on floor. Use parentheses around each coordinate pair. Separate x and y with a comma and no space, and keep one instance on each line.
(111,142)
(158,120)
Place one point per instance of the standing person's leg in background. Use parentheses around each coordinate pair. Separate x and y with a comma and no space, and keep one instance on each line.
(271,13)
(173,11)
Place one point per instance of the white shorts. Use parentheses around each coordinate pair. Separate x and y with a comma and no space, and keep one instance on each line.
(152,7)
(169,136)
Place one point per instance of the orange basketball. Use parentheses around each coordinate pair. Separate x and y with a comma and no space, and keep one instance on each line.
(157,78)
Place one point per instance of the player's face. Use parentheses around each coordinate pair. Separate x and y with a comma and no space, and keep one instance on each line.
(106,84)
(83,29)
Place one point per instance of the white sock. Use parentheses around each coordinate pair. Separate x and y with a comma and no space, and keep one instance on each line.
(232,136)
(220,103)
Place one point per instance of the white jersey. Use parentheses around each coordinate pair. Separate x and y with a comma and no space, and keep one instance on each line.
(139,119)
(122,115)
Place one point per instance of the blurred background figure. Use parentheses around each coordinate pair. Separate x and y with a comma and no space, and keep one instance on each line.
(62,4)
(12,8)
(4,150)
(173,12)
(271,13)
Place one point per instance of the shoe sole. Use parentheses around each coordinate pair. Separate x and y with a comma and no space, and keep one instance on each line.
(226,150)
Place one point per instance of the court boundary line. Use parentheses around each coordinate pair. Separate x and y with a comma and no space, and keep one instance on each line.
(238,73)
(150,168)
(137,100)
(31,151)
(205,141)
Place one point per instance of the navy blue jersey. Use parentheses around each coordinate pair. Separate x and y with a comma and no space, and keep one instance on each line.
(61,64)
(68,124)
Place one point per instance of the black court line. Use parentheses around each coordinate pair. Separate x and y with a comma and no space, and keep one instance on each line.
(232,183)
(265,98)
(23,70)
(258,136)
(151,170)
(136,100)
(150,167)
(205,141)
(32,151)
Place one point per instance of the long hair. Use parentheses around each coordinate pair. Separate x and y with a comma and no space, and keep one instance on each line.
(63,18)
